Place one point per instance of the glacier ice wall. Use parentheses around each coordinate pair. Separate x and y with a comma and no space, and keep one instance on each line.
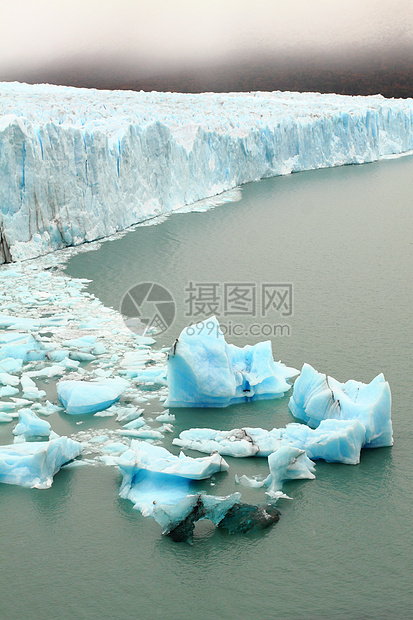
(78,165)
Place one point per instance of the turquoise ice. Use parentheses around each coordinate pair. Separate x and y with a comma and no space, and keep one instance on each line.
(82,397)
(205,371)
(33,464)
(317,397)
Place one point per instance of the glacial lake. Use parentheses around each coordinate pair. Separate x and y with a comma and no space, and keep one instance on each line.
(338,241)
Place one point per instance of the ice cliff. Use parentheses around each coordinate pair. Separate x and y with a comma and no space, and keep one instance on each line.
(78,165)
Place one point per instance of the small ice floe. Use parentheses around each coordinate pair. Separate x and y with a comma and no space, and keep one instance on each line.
(20,346)
(287,463)
(317,397)
(33,464)
(205,371)
(82,397)
(31,427)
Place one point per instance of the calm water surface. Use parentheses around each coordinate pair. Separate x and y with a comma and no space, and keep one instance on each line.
(343,546)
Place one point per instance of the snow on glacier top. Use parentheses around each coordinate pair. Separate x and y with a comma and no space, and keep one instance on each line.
(222,112)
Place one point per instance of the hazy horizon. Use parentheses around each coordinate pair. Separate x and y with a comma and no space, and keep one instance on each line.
(190,46)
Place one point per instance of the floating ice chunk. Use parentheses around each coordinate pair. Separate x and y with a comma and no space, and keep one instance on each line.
(5,417)
(33,464)
(288,463)
(78,343)
(11,365)
(166,428)
(242,518)
(99,439)
(239,442)
(165,417)
(81,397)
(255,482)
(115,447)
(48,372)
(204,371)
(178,521)
(20,346)
(155,375)
(8,390)
(141,433)
(128,414)
(335,441)
(144,340)
(157,459)
(31,426)
(47,409)
(58,355)
(317,397)
(153,476)
(6,379)
(135,424)
(82,356)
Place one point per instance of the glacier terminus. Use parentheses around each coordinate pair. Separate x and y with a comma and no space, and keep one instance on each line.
(78,165)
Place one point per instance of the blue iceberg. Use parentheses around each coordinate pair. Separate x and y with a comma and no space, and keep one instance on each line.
(33,464)
(151,475)
(31,426)
(82,397)
(20,346)
(317,397)
(287,463)
(335,441)
(205,371)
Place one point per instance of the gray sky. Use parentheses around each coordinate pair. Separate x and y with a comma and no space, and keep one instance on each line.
(159,33)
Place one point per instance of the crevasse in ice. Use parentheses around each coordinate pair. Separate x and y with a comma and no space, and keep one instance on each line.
(205,371)
(78,164)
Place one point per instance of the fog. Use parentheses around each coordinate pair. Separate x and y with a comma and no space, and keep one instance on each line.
(159,35)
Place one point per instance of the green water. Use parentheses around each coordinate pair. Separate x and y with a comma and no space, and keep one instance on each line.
(342,548)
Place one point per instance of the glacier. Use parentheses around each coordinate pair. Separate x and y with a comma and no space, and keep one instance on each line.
(78,165)
(318,397)
(204,371)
